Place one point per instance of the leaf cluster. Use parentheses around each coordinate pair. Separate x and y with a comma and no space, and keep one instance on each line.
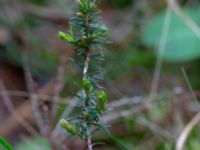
(87,35)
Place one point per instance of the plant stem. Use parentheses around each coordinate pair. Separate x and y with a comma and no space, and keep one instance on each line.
(87,60)
(89,142)
(85,70)
(86,65)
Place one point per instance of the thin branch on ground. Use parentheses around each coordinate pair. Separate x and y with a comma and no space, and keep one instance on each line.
(189,85)
(118,113)
(43,97)
(59,84)
(8,103)
(34,100)
(25,109)
(186,132)
(71,102)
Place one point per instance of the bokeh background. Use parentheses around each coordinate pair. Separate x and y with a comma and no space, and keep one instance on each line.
(151,73)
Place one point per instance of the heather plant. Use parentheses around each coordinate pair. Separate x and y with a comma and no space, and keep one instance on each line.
(88,35)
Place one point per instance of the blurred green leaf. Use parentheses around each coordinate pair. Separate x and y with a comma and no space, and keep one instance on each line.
(34,143)
(5,144)
(182,44)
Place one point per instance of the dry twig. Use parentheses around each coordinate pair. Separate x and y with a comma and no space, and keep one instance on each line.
(35,102)
(11,109)
(186,132)
(59,84)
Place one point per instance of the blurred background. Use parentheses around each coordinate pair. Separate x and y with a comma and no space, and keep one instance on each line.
(151,74)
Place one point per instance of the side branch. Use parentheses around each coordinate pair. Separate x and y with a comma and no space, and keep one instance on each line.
(85,70)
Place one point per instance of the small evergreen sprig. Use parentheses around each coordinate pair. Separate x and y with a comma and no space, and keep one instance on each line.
(87,34)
